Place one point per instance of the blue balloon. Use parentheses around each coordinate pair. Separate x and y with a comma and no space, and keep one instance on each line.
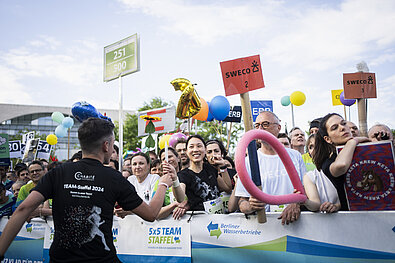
(219,107)
(285,101)
(83,110)
(210,117)
(68,122)
(60,131)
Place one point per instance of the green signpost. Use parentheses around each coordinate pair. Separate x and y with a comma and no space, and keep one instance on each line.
(121,58)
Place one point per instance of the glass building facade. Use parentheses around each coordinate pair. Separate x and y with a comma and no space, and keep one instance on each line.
(43,124)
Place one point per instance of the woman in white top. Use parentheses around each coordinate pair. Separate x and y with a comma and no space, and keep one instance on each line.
(321,193)
(141,179)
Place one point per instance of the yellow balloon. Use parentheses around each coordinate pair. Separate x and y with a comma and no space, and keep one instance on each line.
(297,98)
(52,139)
(165,138)
(189,103)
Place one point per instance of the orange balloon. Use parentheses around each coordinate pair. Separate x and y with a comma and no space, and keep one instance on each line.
(203,112)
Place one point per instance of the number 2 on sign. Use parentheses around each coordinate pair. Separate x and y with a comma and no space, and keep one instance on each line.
(246,84)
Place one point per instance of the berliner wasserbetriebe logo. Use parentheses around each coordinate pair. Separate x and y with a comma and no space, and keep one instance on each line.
(233,229)
(214,230)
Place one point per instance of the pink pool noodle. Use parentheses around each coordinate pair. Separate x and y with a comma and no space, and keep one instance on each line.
(289,166)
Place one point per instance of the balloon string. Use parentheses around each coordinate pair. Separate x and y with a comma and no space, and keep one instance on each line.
(216,128)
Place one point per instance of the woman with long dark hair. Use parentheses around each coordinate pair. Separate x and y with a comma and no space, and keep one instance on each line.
(333,131)
(201,181)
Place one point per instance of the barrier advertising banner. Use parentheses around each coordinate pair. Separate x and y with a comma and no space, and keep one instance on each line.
(137,240)
(28,244)
(357,236)
(315,237)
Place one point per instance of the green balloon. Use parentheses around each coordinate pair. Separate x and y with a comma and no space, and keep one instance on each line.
(57,117)
(285,101)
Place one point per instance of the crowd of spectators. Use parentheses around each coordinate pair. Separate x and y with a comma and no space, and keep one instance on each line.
(204,174)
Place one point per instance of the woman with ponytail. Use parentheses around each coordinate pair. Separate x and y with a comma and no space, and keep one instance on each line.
(333,131)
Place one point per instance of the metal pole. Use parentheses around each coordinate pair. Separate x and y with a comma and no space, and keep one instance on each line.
(292,111)
(229,133)
(120,118)
(345,112)
(362,117)
(68,144)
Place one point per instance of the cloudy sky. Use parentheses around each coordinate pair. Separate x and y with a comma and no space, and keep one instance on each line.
(52,51)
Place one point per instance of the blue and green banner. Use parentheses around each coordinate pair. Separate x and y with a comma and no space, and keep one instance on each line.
(28,244)
(315,237)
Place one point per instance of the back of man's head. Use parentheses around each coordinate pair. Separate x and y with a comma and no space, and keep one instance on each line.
(93,132)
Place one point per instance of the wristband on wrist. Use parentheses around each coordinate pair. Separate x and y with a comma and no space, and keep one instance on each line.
(223,169)
(167,187)
(176,183)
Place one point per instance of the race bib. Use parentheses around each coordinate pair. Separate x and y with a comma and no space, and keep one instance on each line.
(225,199)
(214,206)
(277,208)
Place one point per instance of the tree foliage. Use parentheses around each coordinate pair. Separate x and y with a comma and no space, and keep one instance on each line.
(155,103)
(219,130)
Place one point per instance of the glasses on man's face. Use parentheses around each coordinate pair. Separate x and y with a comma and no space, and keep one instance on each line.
(35,171)
(264,124)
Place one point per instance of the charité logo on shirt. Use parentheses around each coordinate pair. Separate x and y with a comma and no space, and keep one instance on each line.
(79,176)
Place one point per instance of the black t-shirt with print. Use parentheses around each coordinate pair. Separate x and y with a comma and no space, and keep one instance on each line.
(200,187)
(84,194)
(338,182)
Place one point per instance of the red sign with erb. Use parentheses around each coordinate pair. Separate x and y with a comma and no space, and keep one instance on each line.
(242,75)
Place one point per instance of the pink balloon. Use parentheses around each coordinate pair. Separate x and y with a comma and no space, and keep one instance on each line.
(289,166)
(173,139)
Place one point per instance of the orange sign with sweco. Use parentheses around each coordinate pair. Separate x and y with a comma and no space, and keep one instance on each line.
(242,75)
(359,85)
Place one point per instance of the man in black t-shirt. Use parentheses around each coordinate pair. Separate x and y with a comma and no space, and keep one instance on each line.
(84,194)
